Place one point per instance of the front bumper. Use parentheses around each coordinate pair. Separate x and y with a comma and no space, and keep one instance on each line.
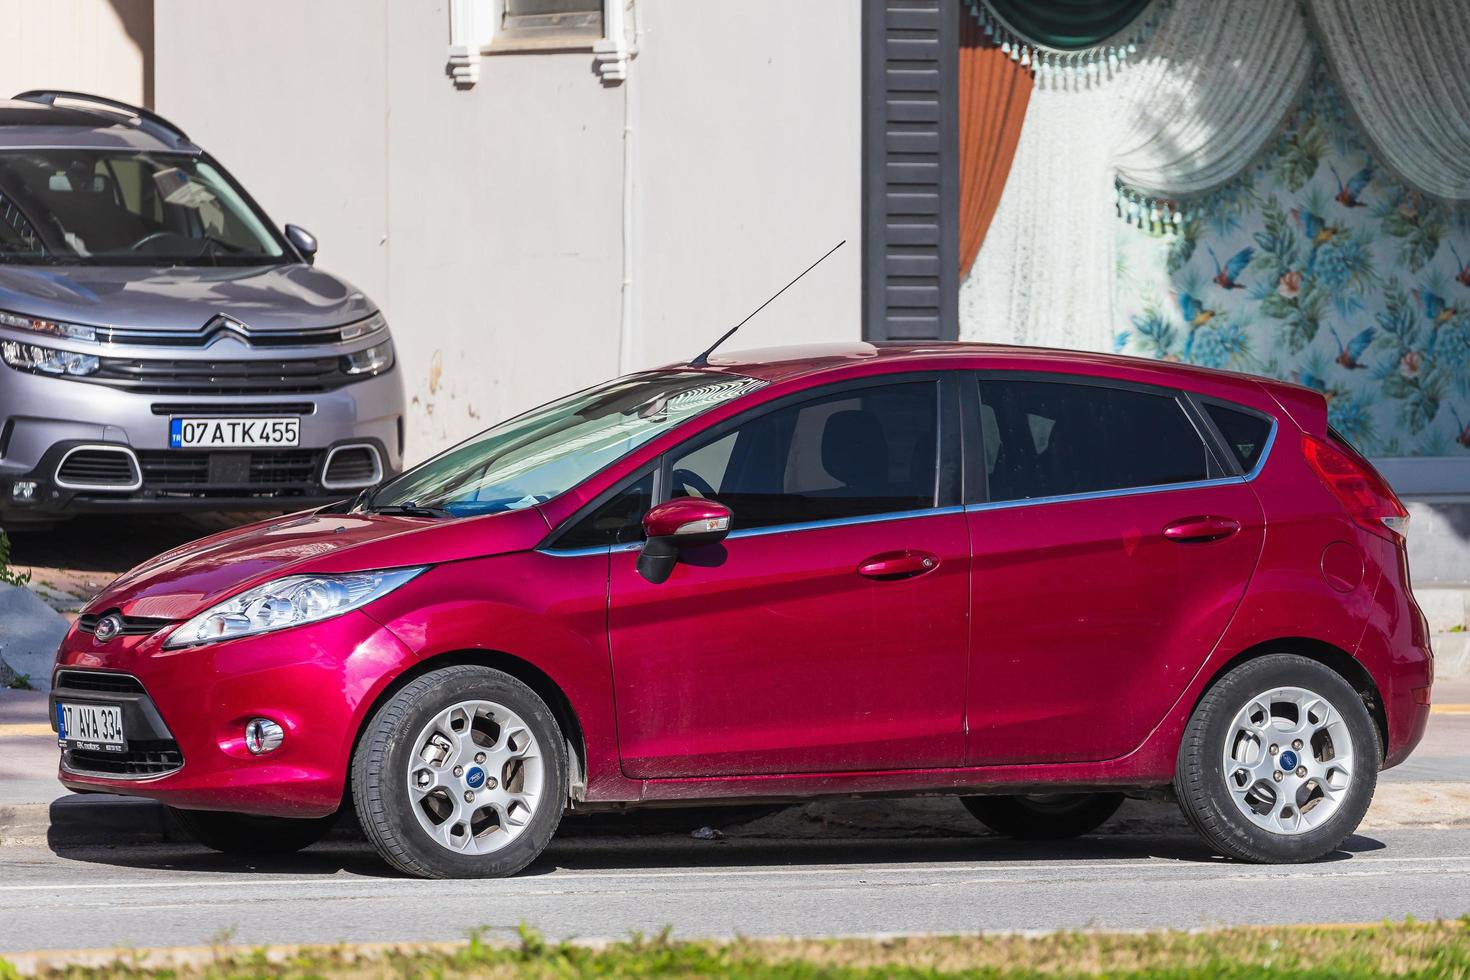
(41,418)
(185,716)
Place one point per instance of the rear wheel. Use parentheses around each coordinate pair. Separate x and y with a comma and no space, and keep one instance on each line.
(1053,816)
(1279,761)
(243,833)
(462,774)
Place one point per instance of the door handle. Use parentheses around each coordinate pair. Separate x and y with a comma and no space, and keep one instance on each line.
(1201,528)
(898,564)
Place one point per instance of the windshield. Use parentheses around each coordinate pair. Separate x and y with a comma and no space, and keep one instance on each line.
(125,207)
(531,459)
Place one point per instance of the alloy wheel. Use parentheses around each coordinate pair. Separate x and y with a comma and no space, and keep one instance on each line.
(1288,760)
(475,777)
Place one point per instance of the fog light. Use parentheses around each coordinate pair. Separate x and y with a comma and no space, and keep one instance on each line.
(23,490)
(263,735)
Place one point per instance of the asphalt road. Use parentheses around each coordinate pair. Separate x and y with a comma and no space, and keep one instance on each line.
(165,895)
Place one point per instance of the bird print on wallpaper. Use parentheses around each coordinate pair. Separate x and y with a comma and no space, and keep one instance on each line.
(1317,230)
(1350,355)
(1435,308)
(1462,268)
(1347,194)
(1228,275)
(1463,430)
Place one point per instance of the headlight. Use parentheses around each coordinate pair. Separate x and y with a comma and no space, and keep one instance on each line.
(291,601)
(75,331)
(362,328)
(374,360)
(44,360)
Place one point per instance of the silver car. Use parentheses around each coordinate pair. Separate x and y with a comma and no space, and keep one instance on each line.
(165,347)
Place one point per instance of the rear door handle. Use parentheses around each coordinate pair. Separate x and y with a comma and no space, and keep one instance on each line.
(1201,528)
(898,564)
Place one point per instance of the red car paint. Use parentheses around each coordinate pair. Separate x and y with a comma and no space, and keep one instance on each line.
(994,646)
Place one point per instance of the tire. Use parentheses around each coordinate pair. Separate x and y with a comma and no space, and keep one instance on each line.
(444,731)
(244,833)
(1049,817)
(1248,711)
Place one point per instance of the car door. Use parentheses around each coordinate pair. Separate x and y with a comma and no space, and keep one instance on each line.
(828,632)
(1111,549)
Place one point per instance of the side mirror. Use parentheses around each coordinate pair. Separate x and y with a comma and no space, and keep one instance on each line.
(676,524)
(303,241)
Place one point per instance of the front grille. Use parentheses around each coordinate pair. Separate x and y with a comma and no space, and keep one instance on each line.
(132,625)
(251,410)
(144,757)
(255,473)
(96,680)
(198,377)
(205,337)
(97,468)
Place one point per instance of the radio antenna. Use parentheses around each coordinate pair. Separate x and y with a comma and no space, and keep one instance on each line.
(703,358)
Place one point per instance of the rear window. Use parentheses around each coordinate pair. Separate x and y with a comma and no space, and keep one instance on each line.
(1245,433)
(1049,439)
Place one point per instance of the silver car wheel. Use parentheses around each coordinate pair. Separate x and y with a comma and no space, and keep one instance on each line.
(475,777)
(1288,760)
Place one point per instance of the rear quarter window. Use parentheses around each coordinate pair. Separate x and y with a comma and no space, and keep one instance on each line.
(1245,433)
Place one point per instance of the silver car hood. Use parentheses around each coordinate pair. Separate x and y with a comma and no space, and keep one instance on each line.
(277,297)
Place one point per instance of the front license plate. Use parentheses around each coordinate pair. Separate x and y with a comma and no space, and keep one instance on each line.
(90,726)
(233,433)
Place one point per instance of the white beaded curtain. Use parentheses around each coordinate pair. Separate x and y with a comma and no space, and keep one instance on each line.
(1207,92)
(1404,69)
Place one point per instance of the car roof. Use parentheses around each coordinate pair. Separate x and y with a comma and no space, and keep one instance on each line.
(27,125)
(780,364)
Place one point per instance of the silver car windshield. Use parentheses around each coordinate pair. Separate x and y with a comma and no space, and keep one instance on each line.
(125,207)
(530,459)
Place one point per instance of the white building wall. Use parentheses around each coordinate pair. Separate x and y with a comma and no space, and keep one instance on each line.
(97,46)
(488,222)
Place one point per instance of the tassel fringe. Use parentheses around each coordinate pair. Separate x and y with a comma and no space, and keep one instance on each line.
(1070,70)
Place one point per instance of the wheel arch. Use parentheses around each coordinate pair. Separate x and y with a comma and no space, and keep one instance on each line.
(522,670)
(1334,658)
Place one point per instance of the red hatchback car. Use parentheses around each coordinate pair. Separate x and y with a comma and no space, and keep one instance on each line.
(1040,580)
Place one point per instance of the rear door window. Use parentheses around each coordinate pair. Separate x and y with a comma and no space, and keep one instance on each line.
(1051,438)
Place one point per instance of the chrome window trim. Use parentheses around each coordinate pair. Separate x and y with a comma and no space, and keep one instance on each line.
(137,483)
(1265,450)
(1104,494)
(758,532)
(355,485)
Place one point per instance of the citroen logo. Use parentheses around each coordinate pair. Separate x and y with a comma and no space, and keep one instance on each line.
(221,323)
(108,627)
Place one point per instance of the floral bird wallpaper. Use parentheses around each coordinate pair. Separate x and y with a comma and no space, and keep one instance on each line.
(1319,267)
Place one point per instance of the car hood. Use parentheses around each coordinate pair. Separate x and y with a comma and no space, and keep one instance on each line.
(186,580)
(276,297)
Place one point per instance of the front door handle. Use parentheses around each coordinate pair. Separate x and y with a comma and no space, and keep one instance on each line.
(1201,528)
(898,564)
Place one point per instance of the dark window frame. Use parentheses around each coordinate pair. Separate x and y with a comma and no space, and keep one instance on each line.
(978,490)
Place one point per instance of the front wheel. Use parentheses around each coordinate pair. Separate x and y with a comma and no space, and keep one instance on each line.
(461,774)
(1053,816)
(1279,761)
(244,833)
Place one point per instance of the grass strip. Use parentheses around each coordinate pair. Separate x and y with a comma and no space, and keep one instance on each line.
(1402,949)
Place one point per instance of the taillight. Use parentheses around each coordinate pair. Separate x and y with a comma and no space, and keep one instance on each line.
(1368,500)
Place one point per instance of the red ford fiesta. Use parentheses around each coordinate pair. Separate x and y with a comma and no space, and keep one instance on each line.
(1039,580)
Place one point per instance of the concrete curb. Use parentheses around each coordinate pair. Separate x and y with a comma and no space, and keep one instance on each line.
(87,819)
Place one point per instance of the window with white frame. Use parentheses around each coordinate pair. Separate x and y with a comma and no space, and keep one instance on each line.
(549,21)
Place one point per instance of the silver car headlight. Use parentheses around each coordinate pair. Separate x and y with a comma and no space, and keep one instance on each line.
(45,360)
(362,328)
(374,360)
(286,602)
(53,328)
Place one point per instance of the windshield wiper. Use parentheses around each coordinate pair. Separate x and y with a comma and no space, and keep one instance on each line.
(410,509)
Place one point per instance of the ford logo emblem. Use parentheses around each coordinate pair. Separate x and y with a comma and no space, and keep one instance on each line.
(475,778)
(108,627)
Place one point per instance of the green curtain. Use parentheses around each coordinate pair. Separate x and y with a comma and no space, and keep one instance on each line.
(1068,24)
